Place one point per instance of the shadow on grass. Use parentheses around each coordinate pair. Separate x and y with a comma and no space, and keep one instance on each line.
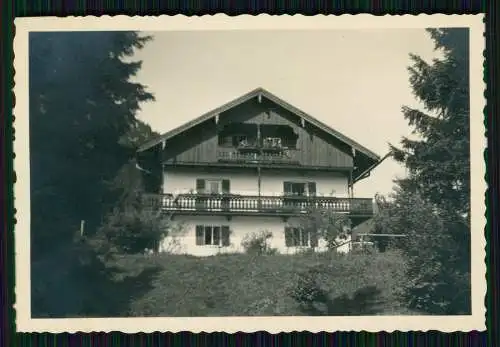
(65,288)
(365,301)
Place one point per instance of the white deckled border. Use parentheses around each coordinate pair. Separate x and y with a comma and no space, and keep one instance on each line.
(25,323)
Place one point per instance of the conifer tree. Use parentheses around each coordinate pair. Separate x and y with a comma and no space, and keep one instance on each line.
(83,105)
(432,204)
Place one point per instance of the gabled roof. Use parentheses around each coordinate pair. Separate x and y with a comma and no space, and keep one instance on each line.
(248,96)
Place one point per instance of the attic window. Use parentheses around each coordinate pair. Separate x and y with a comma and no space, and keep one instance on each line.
(225,141)
(272,142)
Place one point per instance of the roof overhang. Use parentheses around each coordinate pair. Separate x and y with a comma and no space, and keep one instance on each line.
(362,156)
(260,93)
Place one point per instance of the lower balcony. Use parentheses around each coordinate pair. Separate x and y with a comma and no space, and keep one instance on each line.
(286,206)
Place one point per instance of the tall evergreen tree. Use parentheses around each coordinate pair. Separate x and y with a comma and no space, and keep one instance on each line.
(438,185)
(438,160)
(82,106)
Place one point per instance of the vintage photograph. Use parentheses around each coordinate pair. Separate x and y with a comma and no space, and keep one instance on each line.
(321,172)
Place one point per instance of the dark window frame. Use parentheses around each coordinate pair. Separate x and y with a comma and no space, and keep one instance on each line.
(212,235)
(309,188)
(299,237)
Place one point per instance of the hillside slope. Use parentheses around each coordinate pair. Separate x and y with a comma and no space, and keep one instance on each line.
(245,285)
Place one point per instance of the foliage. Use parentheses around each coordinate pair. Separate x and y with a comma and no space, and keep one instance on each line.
(82,132)
(439,161)
(232,285)
(131,231)
(432,204)
(358,284)
(82,102)
(432,255)
(326,224)
(257,243)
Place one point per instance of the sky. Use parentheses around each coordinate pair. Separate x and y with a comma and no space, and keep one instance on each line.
(356,81)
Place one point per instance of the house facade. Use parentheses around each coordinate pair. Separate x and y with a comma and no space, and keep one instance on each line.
(254,164)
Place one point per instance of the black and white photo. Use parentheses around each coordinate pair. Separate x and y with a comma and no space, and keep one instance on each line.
(250,173)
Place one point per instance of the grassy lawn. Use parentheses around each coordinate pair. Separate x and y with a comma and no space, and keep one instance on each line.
(246,285)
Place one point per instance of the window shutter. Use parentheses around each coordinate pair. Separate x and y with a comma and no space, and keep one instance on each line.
(311,187)
(226,186)
(200,186)
(288,237)
(225,235)
(291,142)
(296,237)
(217,235)
(314,238)
(199,235)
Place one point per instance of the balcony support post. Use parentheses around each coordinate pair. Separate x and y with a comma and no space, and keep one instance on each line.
(350,186)
(259,183)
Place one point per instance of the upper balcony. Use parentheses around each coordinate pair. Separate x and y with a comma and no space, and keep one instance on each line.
(237,156)
(231,204)
(257,143)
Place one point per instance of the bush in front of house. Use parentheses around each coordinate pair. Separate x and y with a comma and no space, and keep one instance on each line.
(258,243)
(131,229)
(326,224)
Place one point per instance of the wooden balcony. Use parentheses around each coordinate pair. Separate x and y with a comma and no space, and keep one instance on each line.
(257,205)
(268,157)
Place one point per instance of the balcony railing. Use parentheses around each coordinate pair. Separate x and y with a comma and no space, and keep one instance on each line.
(238,204)
(249,157)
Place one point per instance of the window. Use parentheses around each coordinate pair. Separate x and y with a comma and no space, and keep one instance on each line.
(241,140)
(212,186)
(293,188)
(272,142)
(209,235)
(225,141)
(234,141)
(299,188)
(298,237)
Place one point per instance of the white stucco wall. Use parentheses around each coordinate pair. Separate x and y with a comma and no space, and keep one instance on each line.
(185,241)
(178,181)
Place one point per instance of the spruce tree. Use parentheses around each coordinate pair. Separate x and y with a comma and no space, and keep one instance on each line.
(82,106)
(438,160)
(438,184)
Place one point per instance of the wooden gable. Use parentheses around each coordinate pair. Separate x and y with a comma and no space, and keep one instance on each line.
(317,145)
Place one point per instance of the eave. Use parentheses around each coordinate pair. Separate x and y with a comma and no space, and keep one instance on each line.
(366,173)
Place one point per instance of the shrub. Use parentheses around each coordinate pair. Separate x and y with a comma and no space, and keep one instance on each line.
(257,243)
(355,284)
(437,251)
(326,224)
(130,231)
